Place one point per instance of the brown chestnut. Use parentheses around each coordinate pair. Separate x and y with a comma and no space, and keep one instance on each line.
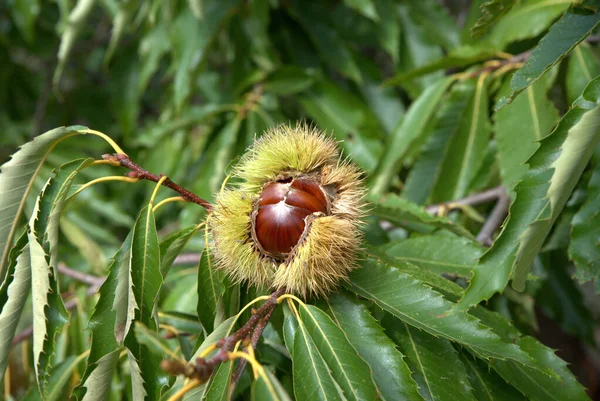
(281,214)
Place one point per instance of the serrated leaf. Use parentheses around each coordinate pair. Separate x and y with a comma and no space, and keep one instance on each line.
(313,379)
(138,388)
(486,384)
(104,353)
(439,254)
(520,125)
(427,168)
(403,213)
(411,128)
(571,29)
(16,181)
(434,363)
(268,388)
(535,384)
(466,149)
(583,66)
(145,266)
(13,294)
(554,170)
(148,379)
(491,11)
(526,20)
(421,307)
(388,367)
(58,382)
(584,248)
(348,370)
(49,312)
(210,291)
(124,304)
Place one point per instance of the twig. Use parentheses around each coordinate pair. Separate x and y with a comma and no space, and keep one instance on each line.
(187,259)
(494,221)
(256,335)
(250,332)
(472,200)
(79,276)
(142,174)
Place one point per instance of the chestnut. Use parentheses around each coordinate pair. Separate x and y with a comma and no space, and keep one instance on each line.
(282,211)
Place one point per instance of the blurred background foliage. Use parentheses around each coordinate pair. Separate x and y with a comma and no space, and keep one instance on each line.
(185,86)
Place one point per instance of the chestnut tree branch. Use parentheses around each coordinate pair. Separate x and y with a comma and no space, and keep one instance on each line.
(471,200)
(249,333)
(494,221)
(142,174)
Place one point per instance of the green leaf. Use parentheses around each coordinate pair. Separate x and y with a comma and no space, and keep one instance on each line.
(435,364)
(573,27)
(49,313)
(124,303)
(466,149)
(520,126)
(104,353)
(268,388)
(403,213)
(181,321)
(172,246)
(388,28)
(440,254)
(217,389)
(217,158)
(13,294)
(59,380)
(424,173)
(16,181)
(138,389)
(583,66)
(536,385)
(421,307)
(349,371)
(313,380)
(364,7)
(210,291)
(486,384)
(145,267)
(526,20)
(492,11)
(584,249)
(155,343)
(388,367)
(411,128)
(554,170)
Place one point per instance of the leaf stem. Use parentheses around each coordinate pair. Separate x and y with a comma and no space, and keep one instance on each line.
(169,200)
(192,384)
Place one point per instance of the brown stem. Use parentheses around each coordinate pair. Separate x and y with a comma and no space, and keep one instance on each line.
(472,200)
(142,174)
(79,276)
(250,332)
(494,221)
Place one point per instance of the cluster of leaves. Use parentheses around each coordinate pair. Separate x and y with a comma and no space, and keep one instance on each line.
(428,100)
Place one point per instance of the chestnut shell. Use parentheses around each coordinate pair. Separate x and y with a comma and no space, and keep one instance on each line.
(280,216)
